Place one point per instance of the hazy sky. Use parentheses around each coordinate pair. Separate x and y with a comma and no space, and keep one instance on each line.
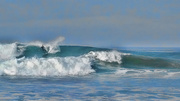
(92,22)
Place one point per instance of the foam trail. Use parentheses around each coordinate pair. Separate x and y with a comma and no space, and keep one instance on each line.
(46,66)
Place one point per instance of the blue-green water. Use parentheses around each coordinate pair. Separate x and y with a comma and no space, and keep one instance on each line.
(33,72)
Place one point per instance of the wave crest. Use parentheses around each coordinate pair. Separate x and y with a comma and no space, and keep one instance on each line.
(107,56)
(50,47)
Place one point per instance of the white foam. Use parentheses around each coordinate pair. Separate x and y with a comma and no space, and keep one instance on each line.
(46,66)
(146,73)
(7,51)
(107,56)
(51,46)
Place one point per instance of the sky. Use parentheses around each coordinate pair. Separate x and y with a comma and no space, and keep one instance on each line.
(107,23)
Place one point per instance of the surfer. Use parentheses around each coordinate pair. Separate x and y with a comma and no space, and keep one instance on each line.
(45,51)
(43,48)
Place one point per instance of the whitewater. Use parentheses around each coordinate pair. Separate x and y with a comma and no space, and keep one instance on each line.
(52,71)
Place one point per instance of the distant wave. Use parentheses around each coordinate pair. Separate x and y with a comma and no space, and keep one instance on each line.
(145,73)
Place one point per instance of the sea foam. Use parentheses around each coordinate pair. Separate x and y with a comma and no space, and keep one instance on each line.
(8,51)
(148,73)
(106,56)
(51,46)
(46,66)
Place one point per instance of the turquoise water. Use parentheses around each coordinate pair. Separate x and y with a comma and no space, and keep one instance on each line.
(29,72)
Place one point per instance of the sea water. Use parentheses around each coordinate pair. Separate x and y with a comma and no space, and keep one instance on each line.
(31,72)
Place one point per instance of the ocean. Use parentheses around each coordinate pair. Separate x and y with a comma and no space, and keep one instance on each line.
(43,72)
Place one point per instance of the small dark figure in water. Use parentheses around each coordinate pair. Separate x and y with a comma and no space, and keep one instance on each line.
(44,50)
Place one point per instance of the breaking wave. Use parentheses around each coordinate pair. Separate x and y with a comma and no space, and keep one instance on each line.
(111,56)
(46,66)
(52,59)
(31,60)
(8,51)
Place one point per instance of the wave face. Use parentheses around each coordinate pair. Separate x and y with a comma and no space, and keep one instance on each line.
(40,59)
